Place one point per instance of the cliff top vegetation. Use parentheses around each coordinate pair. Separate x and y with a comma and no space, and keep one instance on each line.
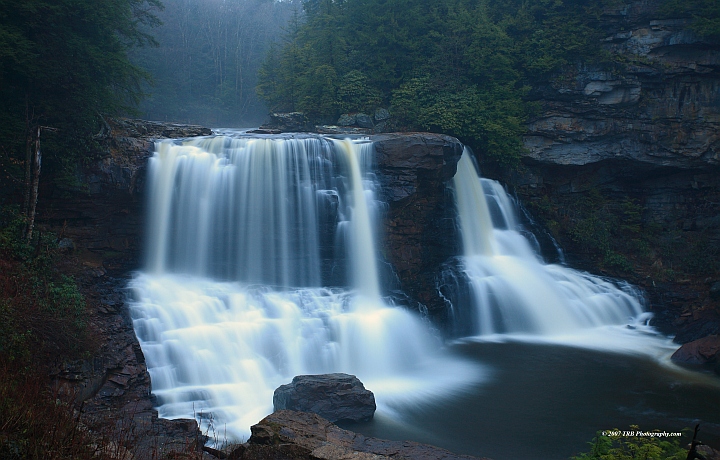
(460,67)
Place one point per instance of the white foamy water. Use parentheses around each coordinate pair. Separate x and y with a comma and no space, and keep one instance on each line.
(516,296)
(242,235)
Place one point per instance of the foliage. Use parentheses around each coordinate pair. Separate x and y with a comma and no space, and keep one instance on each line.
(462,67)
(62,64)
(205,67)
(35,424)
(630,445)
(607,229)
(618,234)
(42,312)
(705,15)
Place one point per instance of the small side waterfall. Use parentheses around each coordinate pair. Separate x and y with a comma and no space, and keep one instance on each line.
(511,289)
(245,237)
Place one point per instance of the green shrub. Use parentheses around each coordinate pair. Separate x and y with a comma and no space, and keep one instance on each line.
(42,312)
(633,445)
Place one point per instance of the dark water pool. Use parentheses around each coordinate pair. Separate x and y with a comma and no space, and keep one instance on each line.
(544,401)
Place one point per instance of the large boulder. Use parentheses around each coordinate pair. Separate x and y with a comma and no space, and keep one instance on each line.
(701,351)
(332,396)
(291,122)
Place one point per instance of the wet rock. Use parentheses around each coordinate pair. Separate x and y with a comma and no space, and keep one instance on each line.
(292,122)
(302,435)
(346,119)
(333,396)
(114,385)
(715,291)
(381,114)
(332,129)
(708,452)
(414,170)
(701,351)
(380,127)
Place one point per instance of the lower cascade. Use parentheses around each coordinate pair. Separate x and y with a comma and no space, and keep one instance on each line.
(262,266)
(512,291)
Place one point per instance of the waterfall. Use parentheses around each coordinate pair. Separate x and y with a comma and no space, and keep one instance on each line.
(512,290)
(246,241)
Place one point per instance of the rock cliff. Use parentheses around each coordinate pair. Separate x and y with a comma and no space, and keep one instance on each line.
(419,228)
(98,219)
(622,164)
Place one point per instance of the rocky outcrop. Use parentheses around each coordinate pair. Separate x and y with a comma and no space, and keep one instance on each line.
(414,170)
(662,109)
(301,435)
(99,221)
(701,351)
(641,142)
(335,397)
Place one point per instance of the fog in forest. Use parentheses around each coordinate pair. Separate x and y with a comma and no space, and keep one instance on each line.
(204,69)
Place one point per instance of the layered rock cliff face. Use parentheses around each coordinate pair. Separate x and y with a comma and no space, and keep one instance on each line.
(622,164)
(99,222)
(420,234)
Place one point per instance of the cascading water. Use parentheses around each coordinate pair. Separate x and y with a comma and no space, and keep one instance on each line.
(245,236)
(512,290)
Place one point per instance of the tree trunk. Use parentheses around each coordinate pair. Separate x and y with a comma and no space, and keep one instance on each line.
(28,160)
(33,189)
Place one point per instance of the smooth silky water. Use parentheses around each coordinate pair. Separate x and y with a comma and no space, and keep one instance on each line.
(245,239)
(262,265)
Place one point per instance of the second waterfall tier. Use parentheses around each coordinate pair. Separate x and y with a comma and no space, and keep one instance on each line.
(506,288)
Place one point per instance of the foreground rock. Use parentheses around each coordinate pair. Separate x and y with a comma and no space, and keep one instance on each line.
(335,397)
(301,435)
(701,351)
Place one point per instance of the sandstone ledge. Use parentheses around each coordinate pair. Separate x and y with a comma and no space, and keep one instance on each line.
(301,435)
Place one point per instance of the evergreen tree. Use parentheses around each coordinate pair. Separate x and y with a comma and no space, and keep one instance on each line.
(63,63)
(461,67)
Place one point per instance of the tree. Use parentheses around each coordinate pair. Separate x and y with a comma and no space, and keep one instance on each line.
(210,52)
(461,67)
(63,63)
